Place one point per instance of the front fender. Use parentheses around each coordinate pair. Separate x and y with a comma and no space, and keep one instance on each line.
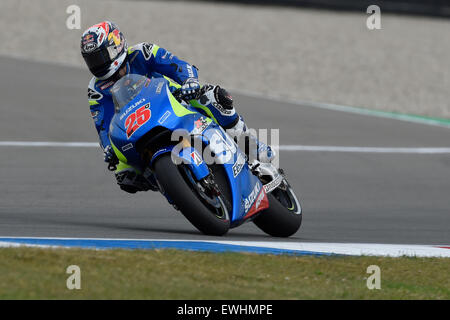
(159,153)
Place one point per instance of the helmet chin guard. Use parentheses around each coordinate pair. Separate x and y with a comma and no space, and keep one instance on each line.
(115,67)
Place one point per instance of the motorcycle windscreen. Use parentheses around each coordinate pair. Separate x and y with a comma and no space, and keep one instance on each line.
(126,89)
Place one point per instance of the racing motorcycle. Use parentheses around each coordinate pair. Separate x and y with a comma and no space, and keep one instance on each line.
(202,172)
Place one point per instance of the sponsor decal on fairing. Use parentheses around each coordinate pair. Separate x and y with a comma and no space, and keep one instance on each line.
(200,125)
(164,117)
(127,147)
(251,197)
(196,158)
(134,105)
(237,167)
(159,87)
(256,201)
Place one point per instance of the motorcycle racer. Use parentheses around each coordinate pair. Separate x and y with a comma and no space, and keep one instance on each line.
(108,57)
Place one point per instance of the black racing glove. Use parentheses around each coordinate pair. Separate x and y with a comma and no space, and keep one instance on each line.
(190,89)
(110,157)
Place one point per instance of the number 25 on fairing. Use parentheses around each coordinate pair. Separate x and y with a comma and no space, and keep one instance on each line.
(135,120)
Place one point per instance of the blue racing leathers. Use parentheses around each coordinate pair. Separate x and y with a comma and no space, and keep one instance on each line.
(152,61)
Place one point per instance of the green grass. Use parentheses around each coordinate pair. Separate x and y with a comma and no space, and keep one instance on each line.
(32,273)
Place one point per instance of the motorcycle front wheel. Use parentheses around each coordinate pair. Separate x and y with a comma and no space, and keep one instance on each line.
(205,210)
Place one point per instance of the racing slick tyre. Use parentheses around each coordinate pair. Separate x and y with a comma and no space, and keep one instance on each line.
(283,218)
(206,211)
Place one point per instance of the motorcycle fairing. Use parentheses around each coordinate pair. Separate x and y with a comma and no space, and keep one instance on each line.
(248,195)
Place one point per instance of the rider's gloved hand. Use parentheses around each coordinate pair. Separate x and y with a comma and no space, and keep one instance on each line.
(110,157)
(190,88)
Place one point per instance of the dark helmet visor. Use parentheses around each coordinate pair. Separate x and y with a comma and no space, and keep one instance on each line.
(98,61)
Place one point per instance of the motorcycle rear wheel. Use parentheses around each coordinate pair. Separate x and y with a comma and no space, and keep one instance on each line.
(283,218)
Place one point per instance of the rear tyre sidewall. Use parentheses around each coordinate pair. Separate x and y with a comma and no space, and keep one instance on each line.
(277,220)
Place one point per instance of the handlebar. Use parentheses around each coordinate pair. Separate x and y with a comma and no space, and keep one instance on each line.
(177,94)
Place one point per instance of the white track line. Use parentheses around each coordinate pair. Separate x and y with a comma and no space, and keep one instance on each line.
(349,109)
(365,149)
(424,150)
(354,249)
(48,144)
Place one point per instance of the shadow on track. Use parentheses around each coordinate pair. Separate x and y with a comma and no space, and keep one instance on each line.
(91,229)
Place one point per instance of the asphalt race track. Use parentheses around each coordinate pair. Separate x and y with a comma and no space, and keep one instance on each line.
(347,197)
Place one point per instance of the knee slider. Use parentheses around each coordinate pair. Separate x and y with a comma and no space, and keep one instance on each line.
(223,98)
(126,177)
(214,97)
(125,180)
(129,189)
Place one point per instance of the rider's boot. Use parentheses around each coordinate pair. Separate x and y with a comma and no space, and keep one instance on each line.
(131,181)
(259,154)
